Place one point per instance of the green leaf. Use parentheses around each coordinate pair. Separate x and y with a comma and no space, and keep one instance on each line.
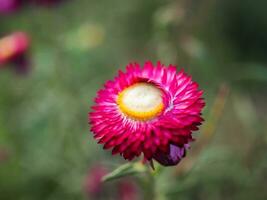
(125,170)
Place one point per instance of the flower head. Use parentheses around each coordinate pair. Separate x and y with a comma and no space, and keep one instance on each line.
(151,111)
(93,184)
(13,49)
(8,6)
(128,190)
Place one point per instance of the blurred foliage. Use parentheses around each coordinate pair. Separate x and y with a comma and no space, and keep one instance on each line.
(45,144)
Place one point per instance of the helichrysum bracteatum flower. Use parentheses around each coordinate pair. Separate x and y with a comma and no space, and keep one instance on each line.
(93,185)
(13,49)
(12,46)
(8,6)
(151,111)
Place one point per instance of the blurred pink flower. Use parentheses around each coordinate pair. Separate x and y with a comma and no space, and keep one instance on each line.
(123,189)
(13,49)
(13,45)
(8,6)
(93,184)
(128,190)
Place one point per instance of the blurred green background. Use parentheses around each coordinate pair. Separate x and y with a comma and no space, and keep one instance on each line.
(46,149)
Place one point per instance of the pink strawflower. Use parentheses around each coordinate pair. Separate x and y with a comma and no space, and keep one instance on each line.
(128,190)
(8,6)
(151,110)
(13,45)
(13,49)
(93,184)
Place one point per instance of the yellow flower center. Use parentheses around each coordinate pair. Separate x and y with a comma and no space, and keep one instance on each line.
(141,101)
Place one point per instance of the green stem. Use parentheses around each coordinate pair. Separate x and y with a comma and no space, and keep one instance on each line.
(149,186)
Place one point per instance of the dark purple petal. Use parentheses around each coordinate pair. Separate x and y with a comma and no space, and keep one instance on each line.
(173,158)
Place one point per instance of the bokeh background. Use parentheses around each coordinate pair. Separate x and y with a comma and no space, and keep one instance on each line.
(46,149)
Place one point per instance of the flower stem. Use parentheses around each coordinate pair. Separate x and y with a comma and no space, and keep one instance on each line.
(149,185)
